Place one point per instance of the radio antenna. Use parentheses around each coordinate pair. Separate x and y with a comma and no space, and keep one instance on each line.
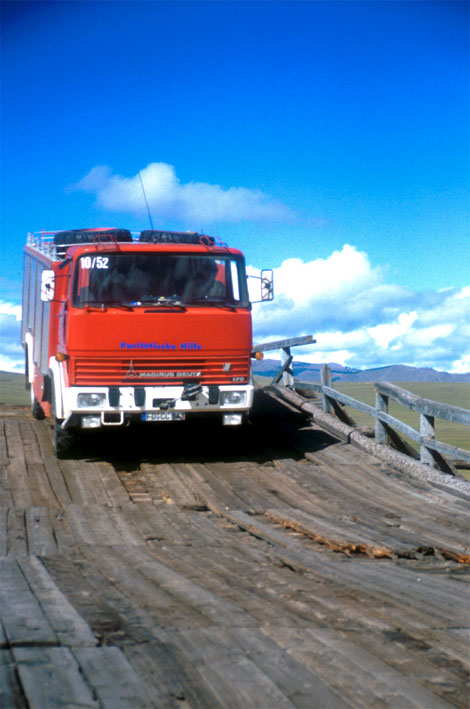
(145,198)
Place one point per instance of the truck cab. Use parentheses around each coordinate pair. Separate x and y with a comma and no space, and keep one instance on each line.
(120,328)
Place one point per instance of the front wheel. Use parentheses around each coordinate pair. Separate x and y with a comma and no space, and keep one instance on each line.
(62,440)
(36,408)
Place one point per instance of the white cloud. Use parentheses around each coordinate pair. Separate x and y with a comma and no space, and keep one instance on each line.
(169,198)
(386,333)
(11,351)
(461,366)
(360,321)
(340,292)
(426,336)
(10,310)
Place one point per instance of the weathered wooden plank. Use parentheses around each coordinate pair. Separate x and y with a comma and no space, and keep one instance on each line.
(169,525)
(21,614)
(362,675)
(110,528)
(149,520)
(11,692)
(417,656)
(56,479)
(113,679)
(115,490)
(446,449)
(40,532)
(211,491)
(154,576)
(424,406)
(172,486)
(257,582)
(3,440)
(6,497)
(167,677)
(112,617)
(339,535)
(77,526)
(17,470)
(398,584)
(17,538)
(241,479)
(297,682)
(83,483)
(395,423)
(43,494)
(43,436)
(279,344)
(68,625)
(65,539)
(32,452)
(233,678)
(3,531)
(145,480)
(51,677)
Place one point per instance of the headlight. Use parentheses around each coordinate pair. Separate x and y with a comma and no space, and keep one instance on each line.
(86,401)
(234,398)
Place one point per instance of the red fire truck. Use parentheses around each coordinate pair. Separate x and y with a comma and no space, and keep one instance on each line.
(120,327)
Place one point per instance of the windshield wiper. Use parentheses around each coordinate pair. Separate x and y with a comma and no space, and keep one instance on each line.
(105,304)
(217,302)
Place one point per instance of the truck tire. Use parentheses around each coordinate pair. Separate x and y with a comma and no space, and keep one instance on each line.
(36,408)
(62,440)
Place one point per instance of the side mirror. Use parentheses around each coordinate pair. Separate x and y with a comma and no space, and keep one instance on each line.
(47,285)
(267,284)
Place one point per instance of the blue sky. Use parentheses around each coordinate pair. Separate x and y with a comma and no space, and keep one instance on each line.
(328,140)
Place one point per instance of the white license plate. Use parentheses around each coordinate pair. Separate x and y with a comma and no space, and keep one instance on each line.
(164,416)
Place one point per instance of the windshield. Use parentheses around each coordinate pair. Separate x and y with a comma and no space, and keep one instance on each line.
(140,279)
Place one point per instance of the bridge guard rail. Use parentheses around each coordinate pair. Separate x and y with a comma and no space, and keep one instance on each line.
(431,451)
(285,372)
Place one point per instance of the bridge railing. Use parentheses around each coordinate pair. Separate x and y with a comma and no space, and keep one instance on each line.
(285,372)
(431,451)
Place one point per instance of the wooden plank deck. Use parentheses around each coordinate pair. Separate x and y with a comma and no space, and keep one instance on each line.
(194,567)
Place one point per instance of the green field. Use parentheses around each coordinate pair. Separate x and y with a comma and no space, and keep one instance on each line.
(12,390)
(457,394)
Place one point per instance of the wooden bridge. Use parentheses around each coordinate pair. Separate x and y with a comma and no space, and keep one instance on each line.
(194,567)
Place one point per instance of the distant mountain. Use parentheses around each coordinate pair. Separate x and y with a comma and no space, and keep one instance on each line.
(307,372)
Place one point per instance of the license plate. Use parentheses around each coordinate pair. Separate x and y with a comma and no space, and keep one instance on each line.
(164,416)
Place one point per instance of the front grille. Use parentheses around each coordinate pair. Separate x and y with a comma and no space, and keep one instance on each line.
(106,371)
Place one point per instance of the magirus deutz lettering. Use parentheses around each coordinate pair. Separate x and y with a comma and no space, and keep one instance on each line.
(122,327)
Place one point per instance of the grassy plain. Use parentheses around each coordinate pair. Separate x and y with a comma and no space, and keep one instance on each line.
(12,390)
(455,393)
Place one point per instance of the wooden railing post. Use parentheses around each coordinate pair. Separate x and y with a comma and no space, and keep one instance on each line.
(326,382)
(427,430)
(381,404)
(287,375)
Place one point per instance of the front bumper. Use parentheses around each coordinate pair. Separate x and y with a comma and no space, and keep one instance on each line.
(127,403)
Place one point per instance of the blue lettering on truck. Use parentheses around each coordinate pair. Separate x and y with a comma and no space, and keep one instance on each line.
(159,346)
